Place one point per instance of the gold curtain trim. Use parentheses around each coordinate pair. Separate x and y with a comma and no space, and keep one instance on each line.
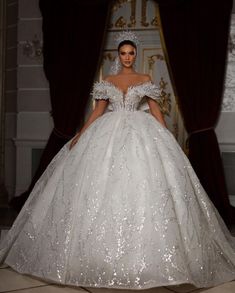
(60,134)
(200,130)
(195,132)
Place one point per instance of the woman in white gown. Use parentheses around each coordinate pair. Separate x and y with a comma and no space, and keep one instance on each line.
(120,205)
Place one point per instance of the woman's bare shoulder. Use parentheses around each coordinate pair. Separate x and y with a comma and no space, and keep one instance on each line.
(109,78)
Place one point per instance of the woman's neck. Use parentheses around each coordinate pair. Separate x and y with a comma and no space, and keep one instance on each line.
(127,70)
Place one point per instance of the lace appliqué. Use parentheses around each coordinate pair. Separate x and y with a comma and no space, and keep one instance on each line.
(149,90)
(99,91)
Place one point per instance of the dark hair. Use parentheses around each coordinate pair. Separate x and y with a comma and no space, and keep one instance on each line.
(127,42)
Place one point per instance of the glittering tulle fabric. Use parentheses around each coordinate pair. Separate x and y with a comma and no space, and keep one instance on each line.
(122,209)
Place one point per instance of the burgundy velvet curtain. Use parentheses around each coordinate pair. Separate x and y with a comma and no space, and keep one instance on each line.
(73,35)
(196,36)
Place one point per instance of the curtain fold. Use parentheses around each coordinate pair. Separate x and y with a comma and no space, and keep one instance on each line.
(196,37)
(73,37)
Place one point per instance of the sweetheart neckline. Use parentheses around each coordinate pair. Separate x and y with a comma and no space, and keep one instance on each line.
(128,88)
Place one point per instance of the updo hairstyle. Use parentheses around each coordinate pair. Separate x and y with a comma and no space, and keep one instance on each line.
(127,42)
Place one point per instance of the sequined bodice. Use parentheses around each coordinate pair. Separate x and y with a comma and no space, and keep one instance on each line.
(129,101)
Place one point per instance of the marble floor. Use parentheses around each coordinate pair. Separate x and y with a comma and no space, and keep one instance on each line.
(11,281)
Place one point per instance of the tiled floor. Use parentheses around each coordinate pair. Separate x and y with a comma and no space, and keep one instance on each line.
(10,281)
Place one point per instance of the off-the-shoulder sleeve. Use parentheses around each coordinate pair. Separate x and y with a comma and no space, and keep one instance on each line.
(151,90)
(99,91)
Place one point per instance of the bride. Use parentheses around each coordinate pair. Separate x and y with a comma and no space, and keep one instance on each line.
(120,205)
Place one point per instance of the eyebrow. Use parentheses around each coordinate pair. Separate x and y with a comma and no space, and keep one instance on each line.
(127,51)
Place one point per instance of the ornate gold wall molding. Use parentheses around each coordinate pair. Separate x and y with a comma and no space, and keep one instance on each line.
(144,22)
(165,101)
(144,13)
(155,20)
(120,23)
(152,59)
(118,4)
(133,14)
(33,48)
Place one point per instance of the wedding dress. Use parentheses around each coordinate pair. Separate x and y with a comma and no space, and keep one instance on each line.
(122,209)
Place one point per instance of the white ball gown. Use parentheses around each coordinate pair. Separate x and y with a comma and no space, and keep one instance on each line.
(122,209)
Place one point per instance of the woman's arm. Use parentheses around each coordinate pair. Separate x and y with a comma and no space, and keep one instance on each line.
(100,107)
(155,111)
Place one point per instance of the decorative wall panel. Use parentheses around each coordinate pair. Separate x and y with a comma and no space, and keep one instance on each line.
(34,121)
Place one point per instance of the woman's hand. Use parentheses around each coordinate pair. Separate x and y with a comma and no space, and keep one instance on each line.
(100,107)
(74,140)
(156,111)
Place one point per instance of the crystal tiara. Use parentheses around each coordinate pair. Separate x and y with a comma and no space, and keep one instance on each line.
(126,35)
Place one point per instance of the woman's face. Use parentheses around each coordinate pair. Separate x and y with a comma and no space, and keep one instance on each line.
(127,55)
